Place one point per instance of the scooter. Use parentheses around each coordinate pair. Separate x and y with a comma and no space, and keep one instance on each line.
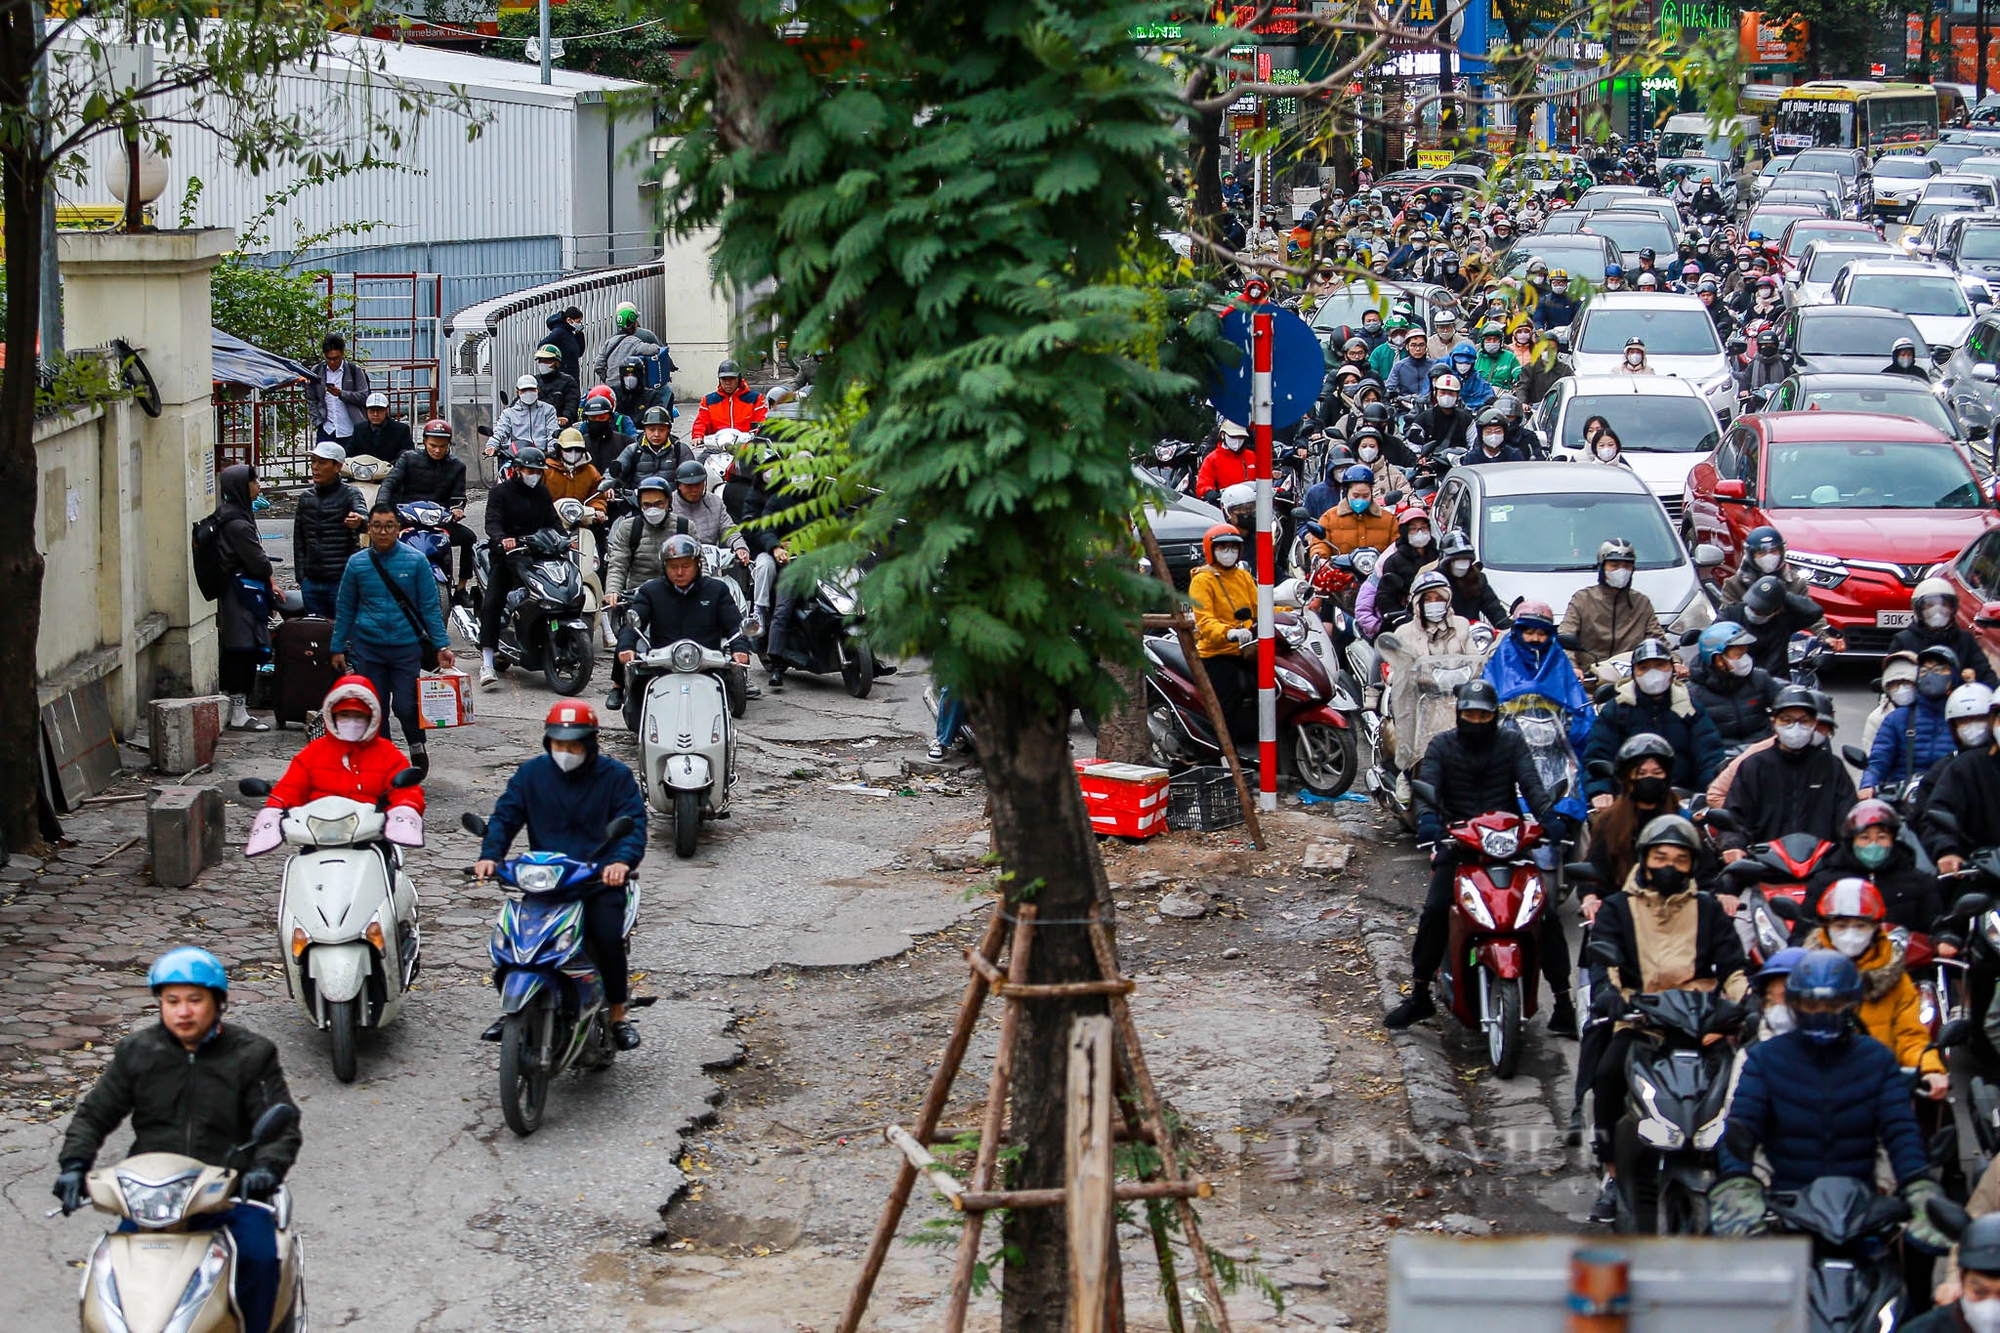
(1315,742)
(828,635)
(583,524)
(546,626)
(552,1006)
(1772,873)
(1489,978)
(424,531)
(1856,1285)
(169,1271)
(687,745)
(347,914)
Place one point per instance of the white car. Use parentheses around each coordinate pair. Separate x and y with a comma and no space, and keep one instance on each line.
(1665,428)
(1898,180)
(1812,278)
(1679,335)
(1928,293)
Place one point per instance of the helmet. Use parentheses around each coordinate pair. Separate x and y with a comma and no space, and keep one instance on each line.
(1719,638)
(1359,472)
(1536,615)
(1979,1245)
(570,720)
(1781,963)
(525,383)
(1932,588)
(548,352)
(1428,581)
(1765,538)
(531,459)
(1558,275)
(1454,543)
(1690,270)
(1794,696)
(680,546)
(600,403)
(1616,548)
(1902,345)
(690,473)
(657,416)
(1646,253)
(1767,338)
(1478,695)
(1635,341)
(1669,831)
(1871,813)
(1766,595)
(1445,383)
(1395,322)
(626,316)
(1491,329)
(653,483)
(437,426)
(1356,344)
(1707,287)
(1222,534)
(1360,433)
(1614,271)
(1644,745)
(1938,652)
(1237,495)
(1493,416)
(1375,414)
(1969,700)
(1852,896)
(571,438)
(727,368)
(1411,511)
(1651,650)
(1823,707)
(188,966)
(1509,406)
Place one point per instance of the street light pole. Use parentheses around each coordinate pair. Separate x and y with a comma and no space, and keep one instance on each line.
(548,78)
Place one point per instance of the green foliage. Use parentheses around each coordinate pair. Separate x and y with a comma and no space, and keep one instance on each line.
(78,380)
(591,45)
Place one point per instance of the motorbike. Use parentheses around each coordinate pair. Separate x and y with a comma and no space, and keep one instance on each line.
(552,1006)
(1774,872)
(1973,1061)
(1326,637)
(584,527)
(828,636)
(1315,743)
(1807,655)
(1173,463)
(547,623)
(687,747)
(347,914)
(1489,978)
(424,524)
(169,1270)
(1856,1283)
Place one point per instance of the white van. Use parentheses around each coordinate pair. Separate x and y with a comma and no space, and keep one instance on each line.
(1694,134)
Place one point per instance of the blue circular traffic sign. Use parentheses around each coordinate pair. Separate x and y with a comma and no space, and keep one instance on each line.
(1298,367)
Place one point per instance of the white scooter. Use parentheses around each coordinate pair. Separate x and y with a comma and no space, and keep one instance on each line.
(347,915)
(687,744)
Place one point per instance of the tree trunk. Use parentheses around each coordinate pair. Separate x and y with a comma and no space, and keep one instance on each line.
(22,183)
(1205,163)
(1122,735)
(1042,835)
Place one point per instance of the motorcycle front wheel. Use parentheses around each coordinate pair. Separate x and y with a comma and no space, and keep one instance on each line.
(1682,1211)
(1503,1025)
(857,666)
(687,822)
(1325,757)
(570,657)
(525,1053)
(342,1018)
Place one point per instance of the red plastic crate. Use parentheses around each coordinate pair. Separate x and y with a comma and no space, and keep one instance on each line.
(1125,800)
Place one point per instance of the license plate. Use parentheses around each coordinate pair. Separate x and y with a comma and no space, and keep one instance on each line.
(1895,619)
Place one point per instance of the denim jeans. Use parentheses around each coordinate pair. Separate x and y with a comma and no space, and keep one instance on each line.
(393,673)
(321,597)
(950,718)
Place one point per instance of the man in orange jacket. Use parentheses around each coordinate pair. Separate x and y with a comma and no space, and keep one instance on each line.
(733,405)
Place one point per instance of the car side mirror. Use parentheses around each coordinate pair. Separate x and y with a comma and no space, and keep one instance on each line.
(1707,555)
(1940,355)
(472,824)
(1988,617)
(1987,371)
(1731,488)
(254,787)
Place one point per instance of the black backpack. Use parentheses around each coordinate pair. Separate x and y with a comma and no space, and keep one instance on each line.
(209,575)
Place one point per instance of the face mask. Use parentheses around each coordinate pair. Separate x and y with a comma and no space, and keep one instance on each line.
(1759,617)
(1742,666)
(1851,940)
(1559,287)
(1905,360)
(1778,1019)
(1655,681)
(1617,578)
(544,369)
(1635,358)
(1366,327)
(1368,453)
(1981,1316)
(1936,617)
(1434,611)
(350,728)
(1872,854)
(631,381)
(1460,568)
(1227,557)
(1795,735)
(1901,693)
(1477,733)
(1234,443)
(1933,686)
(1359,506)
(1822,1028)
(1651,791)
(576,457)
(1971,735)
(1419,538)
(1464,365)
(1769,561)
(1492,346)
(1396,339)
(1447,401)
(1493,439)
(528,396)
(531,479)
(654,513)
(1607,453)
(567,760)
(1667,880)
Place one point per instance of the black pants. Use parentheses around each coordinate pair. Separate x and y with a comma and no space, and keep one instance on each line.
(604,940)
(1607,1087)
(464,539)
(236,669)
(778,640)
(1434,933)
(494,605)
(1235,682)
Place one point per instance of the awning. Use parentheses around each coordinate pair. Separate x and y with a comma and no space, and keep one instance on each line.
(239,364)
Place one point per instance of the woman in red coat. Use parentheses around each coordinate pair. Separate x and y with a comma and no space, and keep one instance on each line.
(353,759)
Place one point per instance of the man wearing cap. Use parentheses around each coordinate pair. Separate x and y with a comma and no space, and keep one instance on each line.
(377,434)
(340,391)
(708,520)
(557,389)
(566,336)
(527,422)
(435,473)
(733,405)
(326,530)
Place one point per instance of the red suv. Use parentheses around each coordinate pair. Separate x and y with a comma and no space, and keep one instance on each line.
(1866,503)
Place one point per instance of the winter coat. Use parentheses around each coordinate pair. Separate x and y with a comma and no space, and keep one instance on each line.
(1940,1318)
(642,459)
(1916,638)
(358,770)
(1476,779)
(1917,731)
(743,410)
(1395,572)
(1968,789)
(388,441)
(1518,671)
(1223,467)
(1779,791)
(1913,896)
(633,554)
(367,614)
(560,391)
(1500,369)
(1221,598)
(1554,310)
(353,392)
(1737,585)
(1608,621)
(1819,1109)
(1739,706)
(1540,375)
(515,509)
(321,539)
(704,611)
(1891,1010)
(607,443)
(418,476)
(1672,716)
(567,341)
(638,345)
(1382,360)
(1347,531)
(238,627)
(564,482)
(1450,427)
(1771,643)
(1616,859)
(1477,454)
(1682,941)
(707,518)
(1473,598)
(1763,372)
(200,1104)
(523,425)
(1411,377)
(568,812)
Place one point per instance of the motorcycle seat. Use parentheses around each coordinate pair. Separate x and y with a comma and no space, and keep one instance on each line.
(1168,649)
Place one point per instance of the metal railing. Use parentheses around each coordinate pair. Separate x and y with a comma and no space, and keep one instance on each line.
(398,323)
(494,341)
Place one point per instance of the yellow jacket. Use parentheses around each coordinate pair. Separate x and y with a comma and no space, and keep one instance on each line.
(1218,595)
(1891,1010)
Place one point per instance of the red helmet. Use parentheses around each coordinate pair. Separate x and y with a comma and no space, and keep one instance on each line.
(600,401)
(570,720)
(1221,532)
(438,426)
(1852,896)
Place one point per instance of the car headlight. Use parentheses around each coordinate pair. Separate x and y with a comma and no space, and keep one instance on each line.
(1717,383)
(1696,615)
(1822,571)
(332,832)
(537,879)
(686,656)
(200,1284)
(1531,903)
(1474,903)
(157,1203)
(1292,680)
(1500,843)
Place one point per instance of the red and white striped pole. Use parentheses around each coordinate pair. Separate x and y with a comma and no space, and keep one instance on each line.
(1255,291)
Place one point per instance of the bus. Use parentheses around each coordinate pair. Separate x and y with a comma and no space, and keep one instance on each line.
(1855,113)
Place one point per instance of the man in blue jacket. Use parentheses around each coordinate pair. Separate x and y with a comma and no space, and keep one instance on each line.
(386,608)
(1653,701)
(566,798)
(1818,1100)
(1916,735)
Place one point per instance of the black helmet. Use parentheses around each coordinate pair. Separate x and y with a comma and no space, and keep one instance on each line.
(530,458)
(1375,414)
(1767,338)
(1478,695)
(1938,652)
(651,483)
(1823,707)
(690,473)
(1493,416)
(1794,696)
(1651,650)
(1454,543)
(1647,253)
(657,416)
(727,369)
(1766,596)
(1670,831)
(1764,539)
(1979,1245)
(1643,745)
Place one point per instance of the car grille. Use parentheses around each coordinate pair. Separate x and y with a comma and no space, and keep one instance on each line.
(1868,640)
(1675,505)
(1183,558)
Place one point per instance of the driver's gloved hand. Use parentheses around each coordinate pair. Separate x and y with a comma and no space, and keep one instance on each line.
(260,1183)
(1736,1207)
(69,1186)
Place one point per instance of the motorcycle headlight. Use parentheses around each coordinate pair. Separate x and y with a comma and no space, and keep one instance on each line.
(1292,680)
(1710,1134)
(1499,843)
(332,832)
(1989,926)
(1164,452)
(100,1276)
(200,1285)
(1531,903)
(1658,1133)
(841,599)
(686,656)
(538,879)
(1474,903)
(1364,561)
(157,1203)
(1293,633)
(1822,571)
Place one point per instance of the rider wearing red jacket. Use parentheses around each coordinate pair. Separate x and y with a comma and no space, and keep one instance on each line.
(353,759)
(1228,463)
(733,405)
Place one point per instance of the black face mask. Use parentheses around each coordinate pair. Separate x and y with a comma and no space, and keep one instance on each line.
(1667,880)
(1478,733)
(1652,791)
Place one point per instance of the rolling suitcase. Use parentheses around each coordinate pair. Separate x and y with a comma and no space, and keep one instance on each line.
(301,667)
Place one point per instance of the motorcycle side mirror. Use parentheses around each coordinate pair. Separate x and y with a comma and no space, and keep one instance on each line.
(1570,643)
(472,824)
(1601,768)
(1854,755)
(409,777)
(1606,694)
(1424,791)
(1299,513)
(1718,818)
(617,829)
(1690,638)
(1950,1218)
(487,431)
(275,1121)
(1559,790)
(254,786)
(1602,953)
(1392,499)
(1971,905)
(1784,909)
(1388,643)
(1957,1032)
(1582,872)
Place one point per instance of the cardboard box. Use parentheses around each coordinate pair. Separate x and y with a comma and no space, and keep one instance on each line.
(1125,800)
(444,699)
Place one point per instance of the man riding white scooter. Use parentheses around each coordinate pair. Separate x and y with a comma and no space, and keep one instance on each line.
(685,604)
(194,1086)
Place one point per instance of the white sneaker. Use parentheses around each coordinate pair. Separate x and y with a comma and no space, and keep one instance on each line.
(489,679)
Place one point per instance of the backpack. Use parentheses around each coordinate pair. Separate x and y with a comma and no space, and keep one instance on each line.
(209,575)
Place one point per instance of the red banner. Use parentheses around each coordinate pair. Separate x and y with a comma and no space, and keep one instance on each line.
(1965,55)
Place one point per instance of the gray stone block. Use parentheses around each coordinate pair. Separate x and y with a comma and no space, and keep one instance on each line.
(185,830)
(182,732)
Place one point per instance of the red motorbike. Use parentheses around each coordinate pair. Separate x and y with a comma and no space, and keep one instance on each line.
(1774,870)
(1492,965)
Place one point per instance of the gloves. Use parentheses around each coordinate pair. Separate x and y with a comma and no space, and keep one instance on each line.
(259,1182)
(1736,1206)
(69,1186)
(1922,1231)
(1241,635)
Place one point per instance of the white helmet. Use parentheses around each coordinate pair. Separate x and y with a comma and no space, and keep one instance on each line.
(1239,495)
(1932,588)
(1231,428)
(1968,701)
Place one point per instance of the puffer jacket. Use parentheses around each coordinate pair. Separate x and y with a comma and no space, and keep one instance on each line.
(1348,531)
(321,539)
(367,613)
(707,518)
(1673,716)
(1891,1010)
(199,1105)
(524,424)
(1224,599)
(358,770)
(564,482)
(1740,706)
(1918,730)
(1477,779)
(1916,638)
(1820,1110)
(1609,621)
(633,554)
(1968,788)
(642,459)
(418,476)
(1683,941)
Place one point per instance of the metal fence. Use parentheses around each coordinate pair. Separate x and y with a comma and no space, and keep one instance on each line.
(268,429)
(493,342)
(398,323)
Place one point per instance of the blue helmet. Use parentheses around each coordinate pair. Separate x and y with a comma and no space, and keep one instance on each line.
(1719,637)
(1359,472)
(1614,270)
(187,966)
(1781,963)
(654,483)
(1823,976)
(1464,351)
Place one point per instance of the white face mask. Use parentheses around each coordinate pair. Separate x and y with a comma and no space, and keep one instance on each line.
(1768,561)
(1607,453)
(1493,439)
(576,457)
(1851,940)
(1234,443)
(1635,358)
(1742,666)
(1936,617)
(1777,1019)
(567,760)
(1227,556)
(350,728)
(1460,568)
(1973,734)
(1901,694)
(1617,578)
(1654,681)
(529,396)
(1981,1316)
(1435,611)
(1368,453)
(1447,401)
(531,479)
(1419,538)
(1795,735)
(544,369)
(654,513)
(631,381)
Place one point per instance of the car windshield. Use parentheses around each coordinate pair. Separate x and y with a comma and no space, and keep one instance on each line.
(1935,208)
(1644,423)
(1666,330)
(1849,333)
(1632,232)
(1806,232)
(1549,534)
(1838,163)
(1913,294)
(1815,180)
(1565,223)
(1951,154)
(1869,474)
(1973,192)
(1346,305)
(1902,168)
(1979,243)
(1772,222)
(1583,256)
(1696,169)
(1917,402)
(1826,264)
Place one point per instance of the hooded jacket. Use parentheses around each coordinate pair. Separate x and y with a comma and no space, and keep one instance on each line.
(358,770)
(1819,1109)
(1698,753)
(1912,895)
(1410,376)
(567,341)
(524,424)
(1910,740)
(1501,369)
(1681,941)
(1517,671)
(564,481)
(560,391)
(1968,789)
(1221,598)
(238,627)
(1609,621)
(516,509)
(1771,642)
(640,344)
(1473,390)
(1223,467)
(1740,706)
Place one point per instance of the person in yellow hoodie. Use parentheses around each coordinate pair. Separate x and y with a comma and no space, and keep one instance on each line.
(572,474)
(1224,593)
(1853,914)
(1356,519)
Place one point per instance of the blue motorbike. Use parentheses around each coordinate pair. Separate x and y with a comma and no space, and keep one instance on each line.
(552,1008)
(425,524)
